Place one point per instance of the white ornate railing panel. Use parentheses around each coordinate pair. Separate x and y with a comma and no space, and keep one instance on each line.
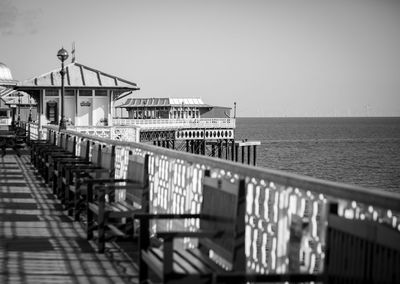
(122,133)
(101,131)
(125,133)
(285,213)
(33,129)
(190,123)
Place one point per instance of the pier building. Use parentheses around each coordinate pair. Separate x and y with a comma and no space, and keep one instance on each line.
(186,124)
(89,95)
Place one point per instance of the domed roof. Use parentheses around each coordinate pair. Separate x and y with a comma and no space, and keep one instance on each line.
(5,73)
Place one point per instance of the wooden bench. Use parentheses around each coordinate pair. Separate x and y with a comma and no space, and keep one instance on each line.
(44,152)
(64,163)
(222,231)
(112,213)
(66,152)
(77,177)
(37,145)
(21,135)
(361,251)
(8,139)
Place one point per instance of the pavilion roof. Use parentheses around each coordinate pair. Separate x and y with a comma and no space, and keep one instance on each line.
(78,76)
(163,102)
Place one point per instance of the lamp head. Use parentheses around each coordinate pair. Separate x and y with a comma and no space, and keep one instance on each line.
(62,54)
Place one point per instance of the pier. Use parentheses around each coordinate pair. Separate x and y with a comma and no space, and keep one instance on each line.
(85,198)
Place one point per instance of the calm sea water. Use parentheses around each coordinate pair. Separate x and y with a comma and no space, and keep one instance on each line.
(362,151)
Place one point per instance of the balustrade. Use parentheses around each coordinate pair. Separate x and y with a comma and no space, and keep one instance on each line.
(178,123)
(276,202)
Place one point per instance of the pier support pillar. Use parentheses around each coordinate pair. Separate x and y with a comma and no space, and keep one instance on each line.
(254,155)
(192,146)
(248,155)
(226,149)
(232,150)
(219,148)
(236,151)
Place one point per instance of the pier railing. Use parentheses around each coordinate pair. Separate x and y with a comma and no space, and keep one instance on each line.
(122,133)
(202,123)
(276,202)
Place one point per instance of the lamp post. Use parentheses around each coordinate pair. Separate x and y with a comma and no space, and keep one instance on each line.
(30,110)
(62,54)
(19,109)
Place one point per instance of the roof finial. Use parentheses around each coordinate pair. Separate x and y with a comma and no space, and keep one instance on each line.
(73,59)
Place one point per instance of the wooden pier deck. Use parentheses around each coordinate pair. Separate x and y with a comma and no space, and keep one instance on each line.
(39,243)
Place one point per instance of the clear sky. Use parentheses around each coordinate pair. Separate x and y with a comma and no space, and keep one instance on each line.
(274,58)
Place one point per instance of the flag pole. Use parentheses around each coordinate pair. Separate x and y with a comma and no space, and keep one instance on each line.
(73,59)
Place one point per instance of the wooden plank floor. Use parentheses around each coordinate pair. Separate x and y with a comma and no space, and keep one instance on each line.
(39,243)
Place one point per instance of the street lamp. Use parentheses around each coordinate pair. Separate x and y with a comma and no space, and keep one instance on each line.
(30,110)
(19,109)
(62,54)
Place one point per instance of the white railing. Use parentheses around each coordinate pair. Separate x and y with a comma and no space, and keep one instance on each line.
(121,133)
(5,121)
(177,123)
(32,129)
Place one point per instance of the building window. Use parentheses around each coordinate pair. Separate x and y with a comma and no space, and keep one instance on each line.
(85,93)
(102,93)
(70,92)
(52,92)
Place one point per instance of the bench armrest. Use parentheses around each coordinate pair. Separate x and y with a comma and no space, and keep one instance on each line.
(110,184)
(110,180)
(62,156)
(146,216)
(242,277)
(82,168)
(187,234)
(69,163)
(66,156)
(85,177)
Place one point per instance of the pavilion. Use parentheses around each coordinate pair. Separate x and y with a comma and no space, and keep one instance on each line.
(89,95)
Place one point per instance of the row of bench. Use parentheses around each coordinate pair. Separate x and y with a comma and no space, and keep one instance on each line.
(86,185)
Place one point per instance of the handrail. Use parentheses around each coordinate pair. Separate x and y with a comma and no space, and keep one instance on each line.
(375,197)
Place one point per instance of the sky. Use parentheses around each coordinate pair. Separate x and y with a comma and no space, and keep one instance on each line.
(273,58)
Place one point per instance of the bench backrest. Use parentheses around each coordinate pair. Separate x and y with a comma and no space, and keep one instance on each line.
(69,143)
(84,148)
(138,171)
(361,251)
(104,157)
(227,201)
(52,137)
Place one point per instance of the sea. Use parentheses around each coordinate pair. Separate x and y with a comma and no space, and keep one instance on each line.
(361,151)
